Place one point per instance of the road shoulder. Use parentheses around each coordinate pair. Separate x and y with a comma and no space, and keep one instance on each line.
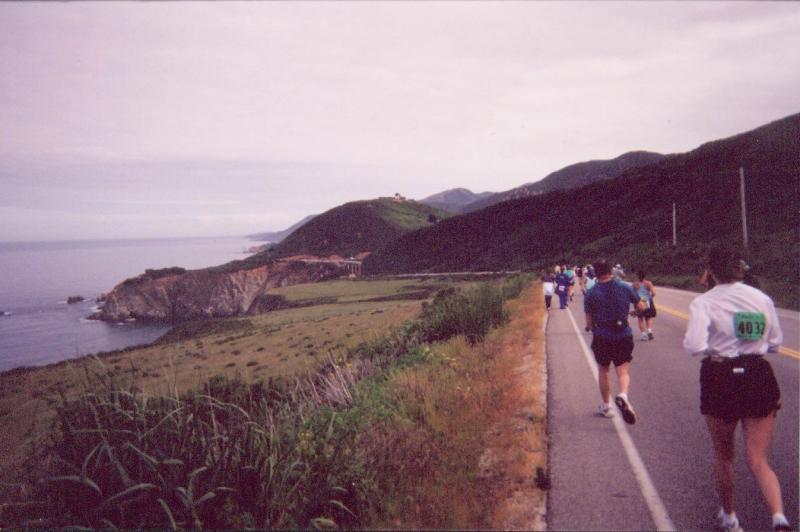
(517,446)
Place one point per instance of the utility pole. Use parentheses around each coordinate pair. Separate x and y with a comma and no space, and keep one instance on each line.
(674,227)
(744,206)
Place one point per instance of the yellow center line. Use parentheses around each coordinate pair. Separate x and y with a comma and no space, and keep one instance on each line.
(672,311)
(789,352)
(786,351)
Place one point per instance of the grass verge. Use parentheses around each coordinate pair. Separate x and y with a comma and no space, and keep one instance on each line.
(372,437)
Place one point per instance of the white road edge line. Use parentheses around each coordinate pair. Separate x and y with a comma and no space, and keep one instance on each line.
(654,503)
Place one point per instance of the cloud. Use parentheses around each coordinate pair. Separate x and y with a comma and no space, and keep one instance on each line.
(291,108)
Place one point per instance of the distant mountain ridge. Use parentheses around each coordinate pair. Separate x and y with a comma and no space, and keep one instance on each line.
(454,200)
(629,218)
(572,176)
(626,218)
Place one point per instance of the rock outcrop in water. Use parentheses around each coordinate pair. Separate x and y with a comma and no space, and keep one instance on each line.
(173,294)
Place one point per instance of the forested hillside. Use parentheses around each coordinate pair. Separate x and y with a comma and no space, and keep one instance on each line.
(629,219)
(572,176)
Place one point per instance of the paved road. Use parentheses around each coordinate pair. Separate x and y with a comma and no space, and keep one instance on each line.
(594,485)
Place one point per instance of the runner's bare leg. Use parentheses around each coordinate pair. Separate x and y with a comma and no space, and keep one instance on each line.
(722,436)
(624,377)
(757,439)
(604,380)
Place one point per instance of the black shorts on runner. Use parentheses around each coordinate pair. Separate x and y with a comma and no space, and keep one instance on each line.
(650,312)
(616,351)
(739,387)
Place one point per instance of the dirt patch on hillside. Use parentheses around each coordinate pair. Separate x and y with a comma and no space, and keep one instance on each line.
(517,445)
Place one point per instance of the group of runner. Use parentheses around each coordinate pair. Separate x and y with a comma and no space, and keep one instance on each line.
(732,325)
(562,279)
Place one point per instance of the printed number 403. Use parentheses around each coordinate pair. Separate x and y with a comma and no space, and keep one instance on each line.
(749,325)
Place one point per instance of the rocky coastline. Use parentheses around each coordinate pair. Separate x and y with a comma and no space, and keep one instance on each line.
(174,295)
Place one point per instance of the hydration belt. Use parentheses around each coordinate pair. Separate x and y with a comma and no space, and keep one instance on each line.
(614,325)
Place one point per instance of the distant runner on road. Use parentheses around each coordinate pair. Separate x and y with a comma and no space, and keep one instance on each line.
(618,272)
(589,278)
(646,292)
(735,325)
(548,287)
(606,306)
(571,274)
(563,283)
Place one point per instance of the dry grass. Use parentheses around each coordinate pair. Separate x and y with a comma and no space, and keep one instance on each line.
(474,433)
(517,442)
(279,343)
(447,435)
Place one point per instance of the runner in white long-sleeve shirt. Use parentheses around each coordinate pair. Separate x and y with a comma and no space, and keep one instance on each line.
(734,326)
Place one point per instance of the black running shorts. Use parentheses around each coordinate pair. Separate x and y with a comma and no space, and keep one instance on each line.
(616,351)
(739,387)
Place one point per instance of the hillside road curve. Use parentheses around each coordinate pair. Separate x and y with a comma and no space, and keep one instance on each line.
(658,473)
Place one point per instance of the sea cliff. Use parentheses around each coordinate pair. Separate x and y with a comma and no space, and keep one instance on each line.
(174,294)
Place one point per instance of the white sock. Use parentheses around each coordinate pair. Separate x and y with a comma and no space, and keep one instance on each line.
(649,330)
(728,518)
(624,395)
(779,519)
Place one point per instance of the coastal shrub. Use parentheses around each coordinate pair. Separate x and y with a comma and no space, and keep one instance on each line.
(151,274)
(514,285)
(227,456)
(320,450)
(469,313)
(191,330)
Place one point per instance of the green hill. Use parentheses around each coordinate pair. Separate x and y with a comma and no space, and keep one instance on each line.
(629,219)
(347,230)
(358,226)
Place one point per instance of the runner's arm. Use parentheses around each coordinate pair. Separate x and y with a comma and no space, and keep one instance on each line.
(650,287)
(636,300)
(695,341)
(774,334)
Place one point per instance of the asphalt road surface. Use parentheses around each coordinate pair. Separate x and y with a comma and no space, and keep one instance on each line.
(658,473)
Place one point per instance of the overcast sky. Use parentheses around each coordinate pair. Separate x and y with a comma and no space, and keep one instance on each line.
(194,119)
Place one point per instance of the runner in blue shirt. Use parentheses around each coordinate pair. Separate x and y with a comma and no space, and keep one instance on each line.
(606,306)
(563,282)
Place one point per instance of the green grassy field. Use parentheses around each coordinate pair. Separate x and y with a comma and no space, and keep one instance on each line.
(368,410)
(357,414)
(275,344)
(350,291)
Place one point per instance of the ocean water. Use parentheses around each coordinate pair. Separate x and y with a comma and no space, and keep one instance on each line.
(38,327)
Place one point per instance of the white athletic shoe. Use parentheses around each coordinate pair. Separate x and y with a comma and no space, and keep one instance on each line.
(605,411)
(728,526)
(644,337)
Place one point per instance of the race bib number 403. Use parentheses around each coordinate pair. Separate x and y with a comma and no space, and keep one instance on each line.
(749,325)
